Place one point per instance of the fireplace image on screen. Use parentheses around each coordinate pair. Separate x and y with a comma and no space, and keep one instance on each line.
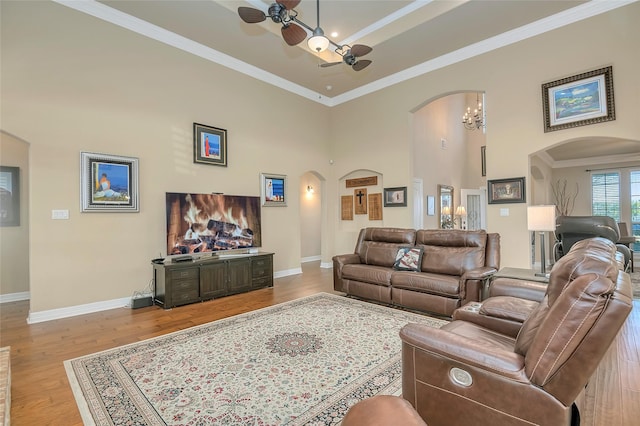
(198,223)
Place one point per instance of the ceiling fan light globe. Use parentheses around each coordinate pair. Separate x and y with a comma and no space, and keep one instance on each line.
(318,42)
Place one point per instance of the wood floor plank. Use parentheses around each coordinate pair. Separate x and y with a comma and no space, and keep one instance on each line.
(41,394)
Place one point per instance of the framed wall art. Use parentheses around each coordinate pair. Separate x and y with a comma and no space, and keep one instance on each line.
(503,191)
(273,190)
(108,183)
(579,100)
(209,145)
(9,196)
(483,160)
(431,205)
(395,197)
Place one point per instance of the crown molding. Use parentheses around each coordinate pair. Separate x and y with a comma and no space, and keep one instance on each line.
(567,17)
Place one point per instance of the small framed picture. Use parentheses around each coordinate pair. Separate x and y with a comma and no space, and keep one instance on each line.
(108,183)
(209,145)
(579,100)
(9,196)
(503,191)
(395,197)
(273,190)
(431,205)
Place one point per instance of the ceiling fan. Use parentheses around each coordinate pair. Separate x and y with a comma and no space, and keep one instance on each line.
(293,32)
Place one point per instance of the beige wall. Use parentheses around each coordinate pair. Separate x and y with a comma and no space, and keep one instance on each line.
(511,77)
(310,216)
(72,83)
(14,240)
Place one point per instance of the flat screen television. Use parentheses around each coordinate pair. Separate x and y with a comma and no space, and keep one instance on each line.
(200,223)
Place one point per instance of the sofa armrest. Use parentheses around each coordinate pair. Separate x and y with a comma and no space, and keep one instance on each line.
(478,290)
(516,287)
(482,273)
(504,314)
(338,262)
(345,259)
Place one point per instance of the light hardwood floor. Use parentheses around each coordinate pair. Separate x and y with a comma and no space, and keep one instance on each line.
(41,394)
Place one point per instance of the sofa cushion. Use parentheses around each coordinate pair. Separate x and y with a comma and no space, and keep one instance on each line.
(408,259)
(424,282)
(451,251)
(379,246)
(379,275)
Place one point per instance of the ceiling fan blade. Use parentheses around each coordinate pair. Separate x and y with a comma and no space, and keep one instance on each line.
(251,15)
(293,34)
(329,64)
(360,50)
(360,65)
(289,4)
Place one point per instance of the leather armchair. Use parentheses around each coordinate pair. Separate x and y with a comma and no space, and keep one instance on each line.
(534,378)
(382,410)
(571,229)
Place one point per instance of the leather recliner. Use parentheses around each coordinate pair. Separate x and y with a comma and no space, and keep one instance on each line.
(571,229)
(465,373)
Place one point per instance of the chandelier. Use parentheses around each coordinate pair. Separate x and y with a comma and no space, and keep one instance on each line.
(475,120)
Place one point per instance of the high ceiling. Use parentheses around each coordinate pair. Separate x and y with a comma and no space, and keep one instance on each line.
(408,38)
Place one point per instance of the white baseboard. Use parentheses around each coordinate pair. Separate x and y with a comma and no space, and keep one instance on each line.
(310,259)
(327,265)
(72,311)
(287,272)
(15,297)
(89,308)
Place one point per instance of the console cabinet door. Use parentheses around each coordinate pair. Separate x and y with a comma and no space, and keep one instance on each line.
(213,280)
(238,275)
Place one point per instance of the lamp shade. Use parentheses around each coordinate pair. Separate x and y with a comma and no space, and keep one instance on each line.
(541,218)
(461,211)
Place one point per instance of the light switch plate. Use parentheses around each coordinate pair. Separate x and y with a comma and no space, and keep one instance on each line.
(504,212)
(59,214)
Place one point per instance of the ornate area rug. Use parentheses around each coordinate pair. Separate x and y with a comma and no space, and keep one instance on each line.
(303,362)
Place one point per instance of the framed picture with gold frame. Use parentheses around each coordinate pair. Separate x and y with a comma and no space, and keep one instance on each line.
(579,100)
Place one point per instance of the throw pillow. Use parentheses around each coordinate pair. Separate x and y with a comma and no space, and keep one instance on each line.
(408,259)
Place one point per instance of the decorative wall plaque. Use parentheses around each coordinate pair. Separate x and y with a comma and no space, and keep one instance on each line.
(375,206)
(360,196)
(346,207)
(365,181)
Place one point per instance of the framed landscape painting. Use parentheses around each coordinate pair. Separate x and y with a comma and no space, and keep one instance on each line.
(579,100)
(108,183)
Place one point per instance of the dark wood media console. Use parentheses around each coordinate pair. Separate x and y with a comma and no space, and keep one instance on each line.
(210,277)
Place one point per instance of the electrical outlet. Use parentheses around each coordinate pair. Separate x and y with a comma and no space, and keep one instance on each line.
(443,143)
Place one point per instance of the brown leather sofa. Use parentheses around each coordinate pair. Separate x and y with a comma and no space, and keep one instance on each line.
(534,378)
(454,266)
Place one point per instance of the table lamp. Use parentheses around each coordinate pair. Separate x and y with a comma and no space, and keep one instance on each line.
(461,212)
(542,219)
